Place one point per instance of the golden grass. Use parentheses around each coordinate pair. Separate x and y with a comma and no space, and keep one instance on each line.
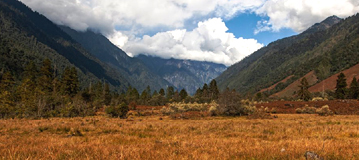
(287,137)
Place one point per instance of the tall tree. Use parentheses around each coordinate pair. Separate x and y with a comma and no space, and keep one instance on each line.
(303,92)
(183,94)
(162,92)
(340,91)
(46,79)
(170,93)
(7,82)
(213,89)
(70,82)
(354,89)
(107,95)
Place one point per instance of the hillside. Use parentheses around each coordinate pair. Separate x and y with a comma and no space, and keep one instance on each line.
(186,74)
(325,48)
(133,69)
(28,36)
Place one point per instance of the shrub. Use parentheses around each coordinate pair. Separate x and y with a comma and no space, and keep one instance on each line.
(299,110)
(324,111)
(117,111)
(260,113)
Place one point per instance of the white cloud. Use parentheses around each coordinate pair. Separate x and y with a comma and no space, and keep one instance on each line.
(301,14)
(106,15)
(210,41)
(122,21)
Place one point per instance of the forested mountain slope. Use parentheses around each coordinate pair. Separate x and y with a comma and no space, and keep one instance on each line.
(28,36)
(137,73)
(325,48)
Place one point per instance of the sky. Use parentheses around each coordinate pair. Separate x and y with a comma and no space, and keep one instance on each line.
(220,31)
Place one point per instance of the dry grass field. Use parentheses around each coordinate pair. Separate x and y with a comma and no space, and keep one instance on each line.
(286,137)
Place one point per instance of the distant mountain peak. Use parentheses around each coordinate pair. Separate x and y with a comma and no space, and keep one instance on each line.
(325,24)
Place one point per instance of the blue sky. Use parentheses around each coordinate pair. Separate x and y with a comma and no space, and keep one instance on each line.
(244,25)
(221,31)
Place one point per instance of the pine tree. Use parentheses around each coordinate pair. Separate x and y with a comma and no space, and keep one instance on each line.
(70,82)
(162,92)
(183,94)
(198,95)
(7,82)
(170,93)
(46,79)
(107,94)
(303,92)
(213,89)
(354,89)
(144,97)
(340,92)
(176,96)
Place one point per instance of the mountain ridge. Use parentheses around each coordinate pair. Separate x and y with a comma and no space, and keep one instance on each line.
(296,55)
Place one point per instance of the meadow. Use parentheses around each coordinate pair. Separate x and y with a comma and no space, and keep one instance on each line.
(154,137)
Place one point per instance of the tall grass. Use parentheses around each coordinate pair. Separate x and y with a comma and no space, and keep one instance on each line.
(286,137)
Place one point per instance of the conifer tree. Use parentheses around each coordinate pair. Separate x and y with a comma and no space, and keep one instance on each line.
(303,92)
(70,82)
(340,91)
(46,80)
(107,94)
(162,92)
(183,94)
(7,82)
(170,93)
(214,92)
(354,89)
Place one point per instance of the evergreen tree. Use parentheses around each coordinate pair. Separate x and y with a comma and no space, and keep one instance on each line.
(198,95)
(340,91)
(144,97)
(183,94)
(176,96)
(162,92)
(45,81)
(303,92)
(107,95)
(170,93)
(7,82)
(213,89)
(354,89)
(205,93)
(70,82)
(148,90)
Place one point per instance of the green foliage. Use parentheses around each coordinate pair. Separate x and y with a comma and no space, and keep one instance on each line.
(354,89)
(303,92)
(117,111)
(183,94)
(327,50)
(341,90)
(170,93)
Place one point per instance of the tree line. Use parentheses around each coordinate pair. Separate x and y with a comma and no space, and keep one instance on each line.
(43,92)
(342,90)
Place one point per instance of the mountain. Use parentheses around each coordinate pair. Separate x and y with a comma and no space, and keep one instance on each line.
(133,69)
(324,49)
(28,36)
(186,74)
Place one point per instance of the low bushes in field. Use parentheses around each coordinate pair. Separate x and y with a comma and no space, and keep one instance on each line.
(186,107)
(118,110)
(323,111)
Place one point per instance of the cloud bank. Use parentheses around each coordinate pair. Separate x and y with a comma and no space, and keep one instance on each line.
(301,14)
(127,23)
(210,41)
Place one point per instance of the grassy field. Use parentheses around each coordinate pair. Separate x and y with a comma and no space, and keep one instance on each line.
(286,137)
